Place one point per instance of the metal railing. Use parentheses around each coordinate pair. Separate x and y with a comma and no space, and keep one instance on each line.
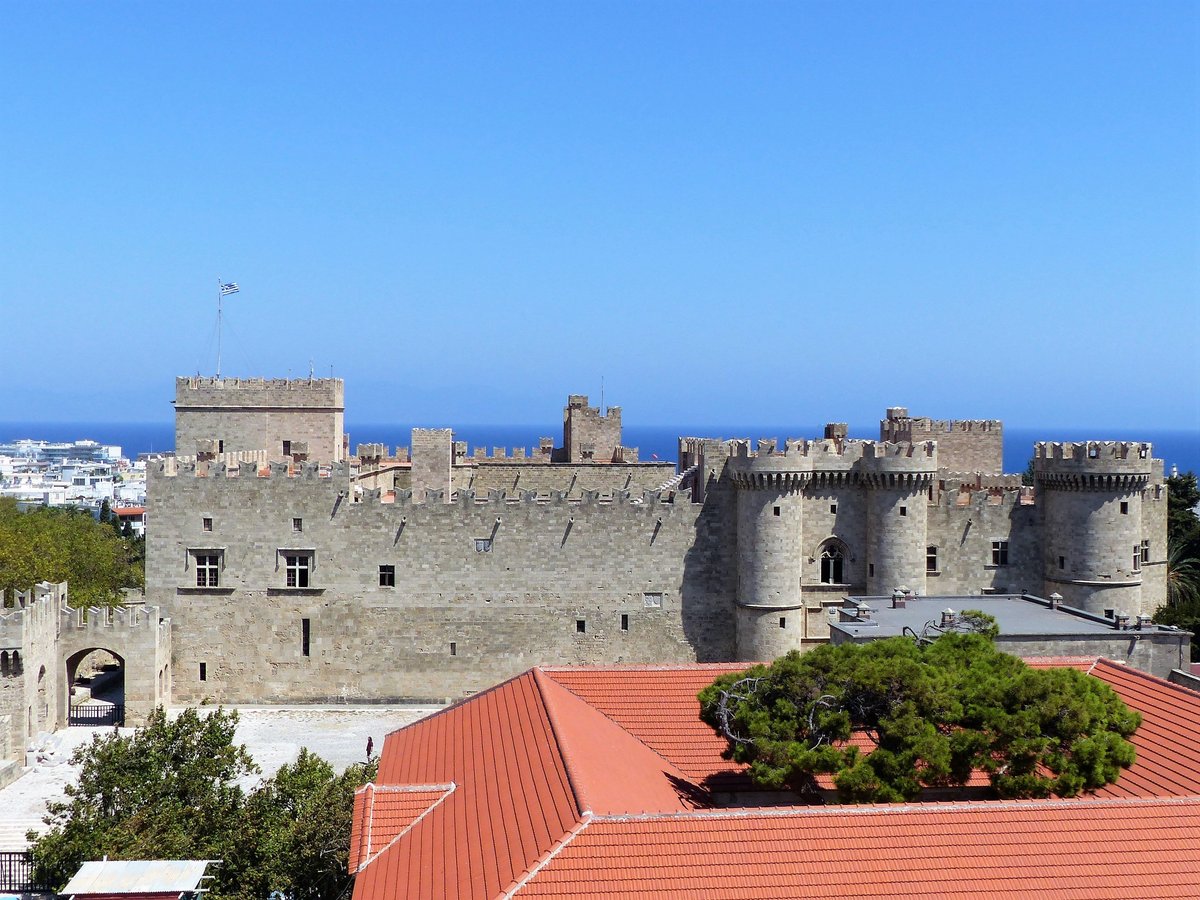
(16,873)
(96,715)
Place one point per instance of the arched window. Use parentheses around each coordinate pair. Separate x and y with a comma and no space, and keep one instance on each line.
(833,562)
(4,662)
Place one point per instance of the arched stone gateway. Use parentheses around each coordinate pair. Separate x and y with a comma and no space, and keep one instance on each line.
(95,687)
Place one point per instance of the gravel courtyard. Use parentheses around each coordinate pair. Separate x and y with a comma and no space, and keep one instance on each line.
(272,734)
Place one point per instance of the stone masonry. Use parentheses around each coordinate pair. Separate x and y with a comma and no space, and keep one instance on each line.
(429,572)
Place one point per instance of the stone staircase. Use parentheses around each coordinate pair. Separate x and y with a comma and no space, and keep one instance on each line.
(673,483)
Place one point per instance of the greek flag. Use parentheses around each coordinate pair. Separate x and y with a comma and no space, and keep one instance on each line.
(231,288)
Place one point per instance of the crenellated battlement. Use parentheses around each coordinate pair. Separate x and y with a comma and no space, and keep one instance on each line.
(1094,465)
(802,461)
(196,386)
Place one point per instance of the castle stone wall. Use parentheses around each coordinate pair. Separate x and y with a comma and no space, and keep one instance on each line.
(506,582)
(573,479)
(261,414)
(975,445)
(588,434)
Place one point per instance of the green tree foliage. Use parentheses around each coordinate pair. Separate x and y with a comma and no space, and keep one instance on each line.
(65,544)
(1182,608)
(170,791)
(936,712)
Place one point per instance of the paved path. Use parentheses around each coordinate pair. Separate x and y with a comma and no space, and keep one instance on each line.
(272,734)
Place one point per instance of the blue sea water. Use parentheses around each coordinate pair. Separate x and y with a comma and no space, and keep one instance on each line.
(1174,447)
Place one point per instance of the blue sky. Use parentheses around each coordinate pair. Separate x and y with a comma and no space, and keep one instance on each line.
(733,213)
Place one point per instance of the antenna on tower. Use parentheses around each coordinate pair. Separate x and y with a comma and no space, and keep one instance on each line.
(603,408)
(310,370)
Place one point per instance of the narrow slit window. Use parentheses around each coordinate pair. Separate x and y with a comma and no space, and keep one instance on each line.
(1124,508)
(783,621)
(904,510)
(305,636)
(624,621)
(204,671)
(453,648)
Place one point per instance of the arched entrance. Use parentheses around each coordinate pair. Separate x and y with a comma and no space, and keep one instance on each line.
(96,687)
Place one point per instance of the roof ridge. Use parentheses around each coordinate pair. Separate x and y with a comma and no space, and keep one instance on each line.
(370,857)
(1146,676)
(581,801)
(973,806)
(649,667)
(545,858)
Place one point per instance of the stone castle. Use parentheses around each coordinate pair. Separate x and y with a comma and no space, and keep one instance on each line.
(289,570)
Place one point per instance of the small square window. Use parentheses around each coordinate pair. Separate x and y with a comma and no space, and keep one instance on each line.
(297,525)
(206,524)
(581,626)
(777,510)
(1110,613)
(1124,508)
(483,545)
(387,576)
(904,510)
(624,621)
(833,507)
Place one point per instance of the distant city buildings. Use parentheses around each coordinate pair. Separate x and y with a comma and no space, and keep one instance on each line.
(83,474)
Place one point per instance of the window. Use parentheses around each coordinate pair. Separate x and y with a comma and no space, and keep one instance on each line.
(1062,562)
(999,553)
(1124,508)
(204,671)
(904,510)
(871,569)
(287,448)
(220,446)
(783,621)
(297,566)
(833,507)
(483,545)
(624,621)
(305,634)
(652,599)
(1137,557)
(208,566)
(387,576)
(832,565)
(206,524)
(777,510)
(931,559)
(580,626)
(297,525)
(1145,551)
(453,648)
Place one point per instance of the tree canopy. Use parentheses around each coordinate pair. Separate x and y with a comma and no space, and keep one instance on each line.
(1183,558)
(936,712)
(66,544)
(171,790)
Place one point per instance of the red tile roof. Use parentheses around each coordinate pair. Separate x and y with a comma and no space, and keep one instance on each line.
(583,782)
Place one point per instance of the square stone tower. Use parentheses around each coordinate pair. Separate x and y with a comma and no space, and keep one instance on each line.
(278,416)
(589,436)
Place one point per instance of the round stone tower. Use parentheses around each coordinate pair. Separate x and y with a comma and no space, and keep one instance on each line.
(770,530)
(898,478)
(1091,500)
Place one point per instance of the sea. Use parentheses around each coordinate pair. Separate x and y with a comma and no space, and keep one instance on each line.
(1180,448)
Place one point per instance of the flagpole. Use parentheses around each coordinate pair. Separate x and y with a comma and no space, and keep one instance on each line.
(220,295)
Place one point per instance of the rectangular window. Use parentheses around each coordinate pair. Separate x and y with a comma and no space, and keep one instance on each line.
(652,599)
(1062,562)
(580,626)
(777,510)
(833,507)
(624,621)
(305,634)
(999,553)
(904,510)
(783,621)
(1137,558)
(931,559)
(206,524)
(387,576)
(871,569)
(287,448)
(220,446)
(297,567)
(204,671)
(1124,508)
(208,567)
(453,648)
(297,525)
(1145,551)
(483,545)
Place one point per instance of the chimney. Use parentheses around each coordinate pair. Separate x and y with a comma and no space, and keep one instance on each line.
(1056,600)
(899,601)
(1143,622)
(1122,621)
(948,617)
(863,611)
